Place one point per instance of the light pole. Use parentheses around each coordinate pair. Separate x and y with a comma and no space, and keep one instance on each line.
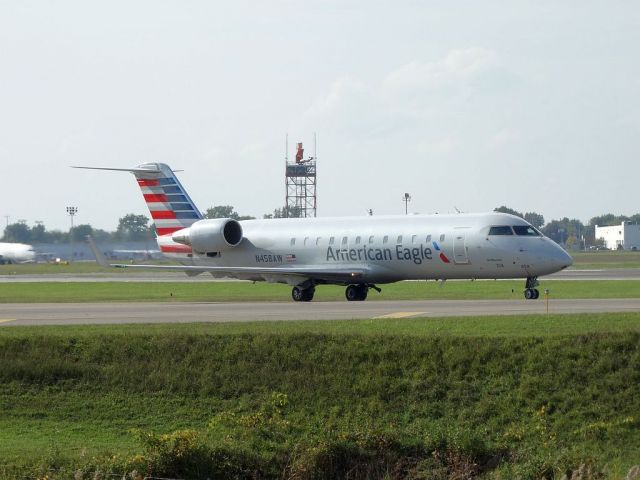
(71,211)
(406,200)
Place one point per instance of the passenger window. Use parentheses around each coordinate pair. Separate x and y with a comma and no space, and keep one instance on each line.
(500,230)
(318,240)
(385,239)
(357,240)
(293,242)
(526,230)
(371,239)
(399,241)
(344,240)
(442,237)
(306,240)
(331,240)
(428,238)
(413,238)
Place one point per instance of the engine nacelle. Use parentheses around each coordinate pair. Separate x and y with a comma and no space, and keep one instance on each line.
(212,235)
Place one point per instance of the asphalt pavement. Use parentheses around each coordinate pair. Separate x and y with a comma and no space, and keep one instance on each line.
(120,313)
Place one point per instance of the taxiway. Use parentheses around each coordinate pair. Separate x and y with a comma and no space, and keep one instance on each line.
(178,312)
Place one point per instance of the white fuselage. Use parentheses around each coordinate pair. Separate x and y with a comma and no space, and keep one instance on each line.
(16,253)
(391,248)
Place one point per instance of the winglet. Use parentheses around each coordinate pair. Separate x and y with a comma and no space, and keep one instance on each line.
(102,261)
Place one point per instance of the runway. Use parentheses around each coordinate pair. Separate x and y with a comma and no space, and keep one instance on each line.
(121,313)
(137,276)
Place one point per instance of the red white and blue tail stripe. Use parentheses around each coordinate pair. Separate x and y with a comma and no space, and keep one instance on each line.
(170,206)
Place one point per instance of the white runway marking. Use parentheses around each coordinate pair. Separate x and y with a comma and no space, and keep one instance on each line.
(402,315)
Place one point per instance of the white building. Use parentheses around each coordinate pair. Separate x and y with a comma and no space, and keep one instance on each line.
(626,236)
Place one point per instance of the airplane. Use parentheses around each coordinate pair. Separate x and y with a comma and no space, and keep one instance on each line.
(136,253)
(359,253)
(16,253)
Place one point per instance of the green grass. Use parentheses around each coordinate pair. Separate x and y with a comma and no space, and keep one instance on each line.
(45,292)
(522,397)
(498,326)
(605,259)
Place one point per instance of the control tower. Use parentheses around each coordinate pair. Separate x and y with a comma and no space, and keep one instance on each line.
(301,185)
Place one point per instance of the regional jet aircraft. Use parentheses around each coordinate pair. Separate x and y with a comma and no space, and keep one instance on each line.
(357,252)
(16,253)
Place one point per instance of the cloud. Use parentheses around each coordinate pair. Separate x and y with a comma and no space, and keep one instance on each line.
(458,67)
(502,138)
(432,95)
(441,145)
(342,92)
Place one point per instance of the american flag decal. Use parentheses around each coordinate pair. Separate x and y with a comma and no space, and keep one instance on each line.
(291,257)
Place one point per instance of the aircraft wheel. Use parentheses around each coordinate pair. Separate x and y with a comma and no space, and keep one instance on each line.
(352,293)
(302,295)
(536,293)
(297,294)
(307,294)
(356,293)
(529,294)
(363,292)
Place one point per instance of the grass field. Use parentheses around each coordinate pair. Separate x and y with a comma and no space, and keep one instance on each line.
(45,292)
(605,259)
(506,397)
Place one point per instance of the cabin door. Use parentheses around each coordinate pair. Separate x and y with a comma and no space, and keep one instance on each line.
(460,249)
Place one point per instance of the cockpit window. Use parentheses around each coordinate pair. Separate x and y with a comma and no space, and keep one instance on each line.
(501,230)
(526,230)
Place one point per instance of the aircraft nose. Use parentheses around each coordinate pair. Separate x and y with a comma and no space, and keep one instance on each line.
(563,259)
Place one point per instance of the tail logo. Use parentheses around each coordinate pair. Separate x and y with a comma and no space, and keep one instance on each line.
(170,207)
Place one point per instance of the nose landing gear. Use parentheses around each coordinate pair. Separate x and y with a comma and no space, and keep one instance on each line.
(530,292)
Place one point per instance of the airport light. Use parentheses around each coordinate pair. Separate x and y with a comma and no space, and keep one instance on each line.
(71,211)
(406,200)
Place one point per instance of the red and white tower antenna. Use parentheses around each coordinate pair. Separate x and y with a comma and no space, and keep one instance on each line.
(301,182)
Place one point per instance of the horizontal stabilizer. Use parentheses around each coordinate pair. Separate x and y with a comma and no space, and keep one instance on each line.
(149,169)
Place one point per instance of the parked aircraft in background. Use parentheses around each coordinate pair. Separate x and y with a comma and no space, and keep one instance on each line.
(357,252)
(146,254)
(16,253)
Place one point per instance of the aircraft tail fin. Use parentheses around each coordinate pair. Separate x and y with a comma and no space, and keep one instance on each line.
(170,206)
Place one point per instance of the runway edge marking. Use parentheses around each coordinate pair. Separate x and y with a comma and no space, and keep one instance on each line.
(402,315)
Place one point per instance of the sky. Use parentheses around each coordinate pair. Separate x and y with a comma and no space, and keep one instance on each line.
(465,105)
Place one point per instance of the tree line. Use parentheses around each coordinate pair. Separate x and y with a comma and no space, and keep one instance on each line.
(132,227)
(572,232)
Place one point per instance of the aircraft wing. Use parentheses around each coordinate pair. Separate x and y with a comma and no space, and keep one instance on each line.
(317,272)
(346,275)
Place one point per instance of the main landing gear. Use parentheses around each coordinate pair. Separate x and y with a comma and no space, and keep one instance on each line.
(530,290)
(358,293)
(302,294)
(354,293)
